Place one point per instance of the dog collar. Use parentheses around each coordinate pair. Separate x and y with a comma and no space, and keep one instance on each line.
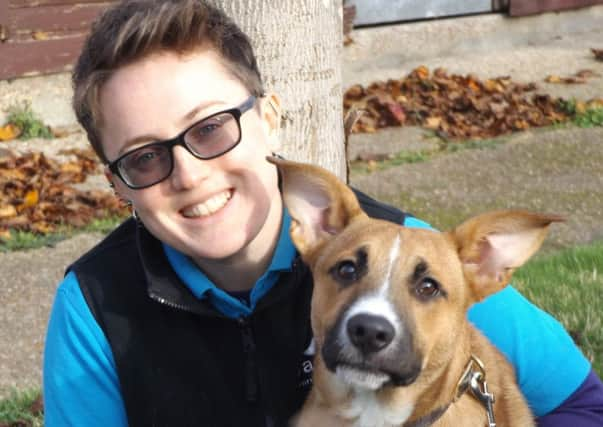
(428,419)
(473,379)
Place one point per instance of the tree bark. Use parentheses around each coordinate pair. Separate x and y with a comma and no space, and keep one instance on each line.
(298,44)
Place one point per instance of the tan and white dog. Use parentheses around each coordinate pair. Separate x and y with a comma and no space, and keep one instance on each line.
(393,344)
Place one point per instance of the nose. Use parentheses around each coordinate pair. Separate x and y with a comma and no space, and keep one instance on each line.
(370,333)
(188,171)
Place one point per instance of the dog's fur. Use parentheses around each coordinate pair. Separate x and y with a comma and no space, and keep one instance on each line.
(420,283)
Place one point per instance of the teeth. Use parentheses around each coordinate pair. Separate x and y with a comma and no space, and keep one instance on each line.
(208,207)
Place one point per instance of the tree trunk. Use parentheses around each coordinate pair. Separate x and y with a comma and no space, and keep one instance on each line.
(298,44)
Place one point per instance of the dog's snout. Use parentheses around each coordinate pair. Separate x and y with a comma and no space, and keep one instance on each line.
(370,333)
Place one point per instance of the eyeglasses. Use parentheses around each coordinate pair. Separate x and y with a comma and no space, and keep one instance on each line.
(207,139)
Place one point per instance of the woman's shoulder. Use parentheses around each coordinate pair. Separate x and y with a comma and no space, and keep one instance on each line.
(112,245)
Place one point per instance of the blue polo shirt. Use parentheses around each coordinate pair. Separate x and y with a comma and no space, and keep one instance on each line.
(80,378)
(226,303)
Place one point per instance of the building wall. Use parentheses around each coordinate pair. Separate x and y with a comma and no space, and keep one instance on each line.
(382,11)
(531,7)
(43,36)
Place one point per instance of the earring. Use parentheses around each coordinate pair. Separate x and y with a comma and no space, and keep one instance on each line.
(134,213)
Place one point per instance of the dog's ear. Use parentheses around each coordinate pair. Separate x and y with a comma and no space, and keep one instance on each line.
(491,246)
(320,204)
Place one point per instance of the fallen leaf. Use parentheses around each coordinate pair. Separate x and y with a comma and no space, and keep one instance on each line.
(579,77)
(37,406)
(553,79)
(595,103)
(8,211)
(72,167)
(9,132)
(598,54)
(433,122)
(565,80)
(581,107)
(494,86)
(586,74)
(30,199)
(422,72)
(60,132)
(397,112)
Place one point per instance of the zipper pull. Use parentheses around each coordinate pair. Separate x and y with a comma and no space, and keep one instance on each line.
(251,382)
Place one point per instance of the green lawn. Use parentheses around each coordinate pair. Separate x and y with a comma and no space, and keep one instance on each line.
(569,285)
(21,409)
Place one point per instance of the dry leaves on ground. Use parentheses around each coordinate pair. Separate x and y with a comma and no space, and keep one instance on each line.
(579,77)
(456,107)
(36,193)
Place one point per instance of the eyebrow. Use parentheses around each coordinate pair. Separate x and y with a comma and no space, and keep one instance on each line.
(187,118)
(421,269)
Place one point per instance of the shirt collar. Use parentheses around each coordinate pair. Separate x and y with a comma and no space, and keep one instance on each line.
(201,286)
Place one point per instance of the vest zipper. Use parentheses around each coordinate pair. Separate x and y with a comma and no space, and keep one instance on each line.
(163,301)
(251,369)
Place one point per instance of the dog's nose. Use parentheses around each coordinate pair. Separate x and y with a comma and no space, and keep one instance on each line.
(370,333)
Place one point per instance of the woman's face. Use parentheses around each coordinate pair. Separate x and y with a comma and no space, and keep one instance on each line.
(213,209)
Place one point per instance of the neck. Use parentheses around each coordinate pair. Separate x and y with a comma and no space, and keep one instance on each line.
(240,271)
(441,389)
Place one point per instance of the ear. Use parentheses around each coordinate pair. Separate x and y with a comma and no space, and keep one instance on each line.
(116,184)
(491,246)
(272,115)
(319,204)
(109,175)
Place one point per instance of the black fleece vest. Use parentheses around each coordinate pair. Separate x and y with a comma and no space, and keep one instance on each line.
(182,363)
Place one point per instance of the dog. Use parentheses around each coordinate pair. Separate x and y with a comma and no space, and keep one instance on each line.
(393,343)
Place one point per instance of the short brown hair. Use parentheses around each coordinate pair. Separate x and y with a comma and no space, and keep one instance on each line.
(134,29)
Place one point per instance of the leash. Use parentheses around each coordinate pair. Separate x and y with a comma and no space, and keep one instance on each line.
(473,379)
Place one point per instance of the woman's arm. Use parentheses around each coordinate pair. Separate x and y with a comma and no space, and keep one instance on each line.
(80,380)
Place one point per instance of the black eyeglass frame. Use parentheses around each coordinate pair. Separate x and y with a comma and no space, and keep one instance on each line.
(236,112)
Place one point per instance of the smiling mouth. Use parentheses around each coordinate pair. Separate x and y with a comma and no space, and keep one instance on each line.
(208,207)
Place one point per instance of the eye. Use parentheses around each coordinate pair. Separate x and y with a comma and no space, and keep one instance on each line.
(145,158)
(427,288)
(207,129)
(346,271)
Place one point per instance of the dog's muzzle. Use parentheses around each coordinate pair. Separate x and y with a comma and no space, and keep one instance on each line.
(367,351)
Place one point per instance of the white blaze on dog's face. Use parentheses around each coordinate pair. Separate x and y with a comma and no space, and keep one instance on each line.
(388,300)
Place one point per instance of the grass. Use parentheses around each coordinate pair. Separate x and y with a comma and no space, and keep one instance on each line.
(23,240)
(22,408)
(569,285)
(582,114)
(408,157)
(400,158)
(592,117)
(25,119)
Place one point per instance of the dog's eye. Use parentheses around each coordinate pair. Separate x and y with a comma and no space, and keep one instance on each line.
(346,270)
(428,288)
